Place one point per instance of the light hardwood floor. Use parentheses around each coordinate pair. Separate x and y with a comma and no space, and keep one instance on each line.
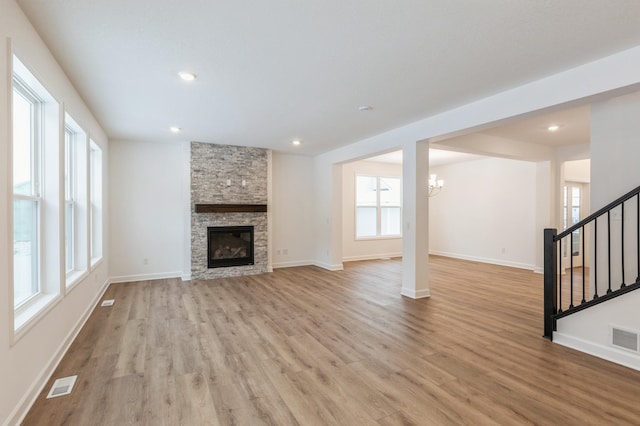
(305,346)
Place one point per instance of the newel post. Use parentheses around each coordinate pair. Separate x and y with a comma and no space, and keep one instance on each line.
(550,281)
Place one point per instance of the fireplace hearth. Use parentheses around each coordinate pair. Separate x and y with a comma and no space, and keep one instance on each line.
(229,246)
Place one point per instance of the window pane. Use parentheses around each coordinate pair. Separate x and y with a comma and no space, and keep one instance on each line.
(366,218)
(390,191)
(22,146)
(391,221)
(68,162)
(366,191)
(68,235)
(25,250)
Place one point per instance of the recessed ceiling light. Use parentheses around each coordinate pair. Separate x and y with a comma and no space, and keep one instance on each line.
(365,108)
(296,142)
(187,76)
(553,128)
(175,129)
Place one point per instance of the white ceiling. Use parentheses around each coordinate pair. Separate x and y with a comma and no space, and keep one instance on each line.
(437,157)
(574,128)
(272,71)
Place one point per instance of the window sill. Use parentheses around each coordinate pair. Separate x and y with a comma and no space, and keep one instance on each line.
(74,277)
(379,237)
(26,316)
(95,262)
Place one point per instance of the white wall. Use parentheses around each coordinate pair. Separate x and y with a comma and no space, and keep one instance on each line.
(353,249)
(615,131)
(25,364)
(617,73)
(292,210)
(147,198)
(150,203)
(486,212)
(577,171)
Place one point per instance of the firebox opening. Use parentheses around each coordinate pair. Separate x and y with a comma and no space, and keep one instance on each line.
(229,246)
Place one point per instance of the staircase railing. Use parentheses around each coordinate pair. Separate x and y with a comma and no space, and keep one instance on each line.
(615,238)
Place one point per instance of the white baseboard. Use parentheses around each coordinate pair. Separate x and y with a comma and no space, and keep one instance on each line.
(20,412)
(370,257)
(328,267)
(420,294)
(146,277)
(292,264)
(618,356)
(499,262)
(186,277)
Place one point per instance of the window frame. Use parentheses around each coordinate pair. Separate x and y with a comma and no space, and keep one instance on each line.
(378,206)
(47,185)
(75,196)
(34,196)
(69,199)
(96,248)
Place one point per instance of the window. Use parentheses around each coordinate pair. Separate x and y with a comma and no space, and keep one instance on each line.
(378,206)
(75,201)
(27,116)
(69,193)
(36,215)
(95,167)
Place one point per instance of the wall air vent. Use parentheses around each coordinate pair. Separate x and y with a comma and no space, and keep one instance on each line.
(62,386)
(624,339)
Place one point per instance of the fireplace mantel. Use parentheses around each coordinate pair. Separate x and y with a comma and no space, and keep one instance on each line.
(231,208)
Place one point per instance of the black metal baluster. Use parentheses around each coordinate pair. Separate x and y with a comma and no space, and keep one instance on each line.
(622,242)
(560,276)
(582,231)
(638,237)
(609,249)
(571,270)
(595,258)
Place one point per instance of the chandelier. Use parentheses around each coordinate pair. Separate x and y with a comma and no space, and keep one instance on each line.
(435,185)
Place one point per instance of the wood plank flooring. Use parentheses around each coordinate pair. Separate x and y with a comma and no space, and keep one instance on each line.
(303,346)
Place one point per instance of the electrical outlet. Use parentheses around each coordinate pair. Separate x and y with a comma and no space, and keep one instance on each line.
(145,261)
(277,251)
(285,251)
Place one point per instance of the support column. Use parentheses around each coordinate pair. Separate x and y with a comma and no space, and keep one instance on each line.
(415,220)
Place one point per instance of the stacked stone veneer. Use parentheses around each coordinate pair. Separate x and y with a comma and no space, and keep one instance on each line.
(211,167)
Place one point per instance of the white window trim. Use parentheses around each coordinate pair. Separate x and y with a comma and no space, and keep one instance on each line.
(18,83)
(26,314)
(75,194)
(97,200)
(70,199)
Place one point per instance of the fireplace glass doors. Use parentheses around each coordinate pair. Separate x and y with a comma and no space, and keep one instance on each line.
(229,246)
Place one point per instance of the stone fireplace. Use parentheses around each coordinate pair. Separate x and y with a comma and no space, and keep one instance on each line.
(228,191)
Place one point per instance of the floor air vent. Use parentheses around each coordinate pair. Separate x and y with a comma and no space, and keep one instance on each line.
(624,339)
(62,386)
(108,302)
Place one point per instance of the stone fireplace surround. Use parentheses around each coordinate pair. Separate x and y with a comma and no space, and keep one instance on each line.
(217,173)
